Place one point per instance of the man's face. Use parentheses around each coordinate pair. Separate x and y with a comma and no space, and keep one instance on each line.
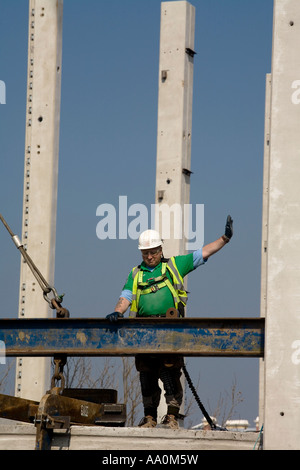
(152,256)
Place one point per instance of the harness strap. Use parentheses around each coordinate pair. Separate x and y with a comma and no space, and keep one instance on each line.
(176,287)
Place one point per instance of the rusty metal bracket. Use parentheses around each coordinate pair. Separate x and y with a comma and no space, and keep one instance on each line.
(58,411)
(19,409)
(45,424)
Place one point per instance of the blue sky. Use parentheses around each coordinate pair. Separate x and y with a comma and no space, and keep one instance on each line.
(108,148)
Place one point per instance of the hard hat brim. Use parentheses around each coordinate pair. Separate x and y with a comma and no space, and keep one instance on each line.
(141,247)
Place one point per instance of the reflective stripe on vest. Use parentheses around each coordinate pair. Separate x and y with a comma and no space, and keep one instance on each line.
(176,287)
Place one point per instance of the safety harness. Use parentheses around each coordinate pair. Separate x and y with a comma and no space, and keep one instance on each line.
(176,287)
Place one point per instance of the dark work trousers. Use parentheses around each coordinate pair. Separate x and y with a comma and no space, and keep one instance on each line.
(168,370)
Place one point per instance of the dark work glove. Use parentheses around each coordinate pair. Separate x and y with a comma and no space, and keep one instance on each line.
(229,227)
(114,316)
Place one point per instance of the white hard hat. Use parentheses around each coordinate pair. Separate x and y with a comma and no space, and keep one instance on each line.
(149,239)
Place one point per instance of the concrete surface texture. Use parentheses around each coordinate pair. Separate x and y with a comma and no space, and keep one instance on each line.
(22,437)
(282,385)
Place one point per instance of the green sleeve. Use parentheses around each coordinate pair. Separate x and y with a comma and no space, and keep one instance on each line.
(184,264)
(129,283)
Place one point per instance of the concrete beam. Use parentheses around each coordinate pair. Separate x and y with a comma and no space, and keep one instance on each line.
(22,437)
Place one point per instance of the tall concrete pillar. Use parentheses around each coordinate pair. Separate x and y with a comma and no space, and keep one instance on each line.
(40,177)
(174,127)
(282,342)
(264,238)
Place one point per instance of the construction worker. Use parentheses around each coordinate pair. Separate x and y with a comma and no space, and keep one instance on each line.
(150,290)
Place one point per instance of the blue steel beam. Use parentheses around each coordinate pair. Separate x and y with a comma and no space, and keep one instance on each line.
(243,337)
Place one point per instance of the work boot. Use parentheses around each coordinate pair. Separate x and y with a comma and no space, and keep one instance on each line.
(170,421)
(147,422)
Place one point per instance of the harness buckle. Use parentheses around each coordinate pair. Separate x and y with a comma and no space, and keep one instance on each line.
(154,288)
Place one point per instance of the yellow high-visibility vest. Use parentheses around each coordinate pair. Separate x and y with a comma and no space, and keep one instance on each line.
(142,288)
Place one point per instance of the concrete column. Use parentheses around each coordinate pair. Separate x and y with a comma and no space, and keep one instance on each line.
(282,344)
(174,127)
(40,177)
(264,238)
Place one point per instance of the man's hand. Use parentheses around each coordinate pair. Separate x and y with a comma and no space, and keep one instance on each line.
(113,317)
(228,228)
(215,246)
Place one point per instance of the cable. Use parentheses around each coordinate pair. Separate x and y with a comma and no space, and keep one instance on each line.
(213,426)
(46,288)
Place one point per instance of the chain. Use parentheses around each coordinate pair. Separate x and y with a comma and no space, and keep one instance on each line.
(58,376)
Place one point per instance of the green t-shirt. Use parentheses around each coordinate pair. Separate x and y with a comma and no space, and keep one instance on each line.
(157,303)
